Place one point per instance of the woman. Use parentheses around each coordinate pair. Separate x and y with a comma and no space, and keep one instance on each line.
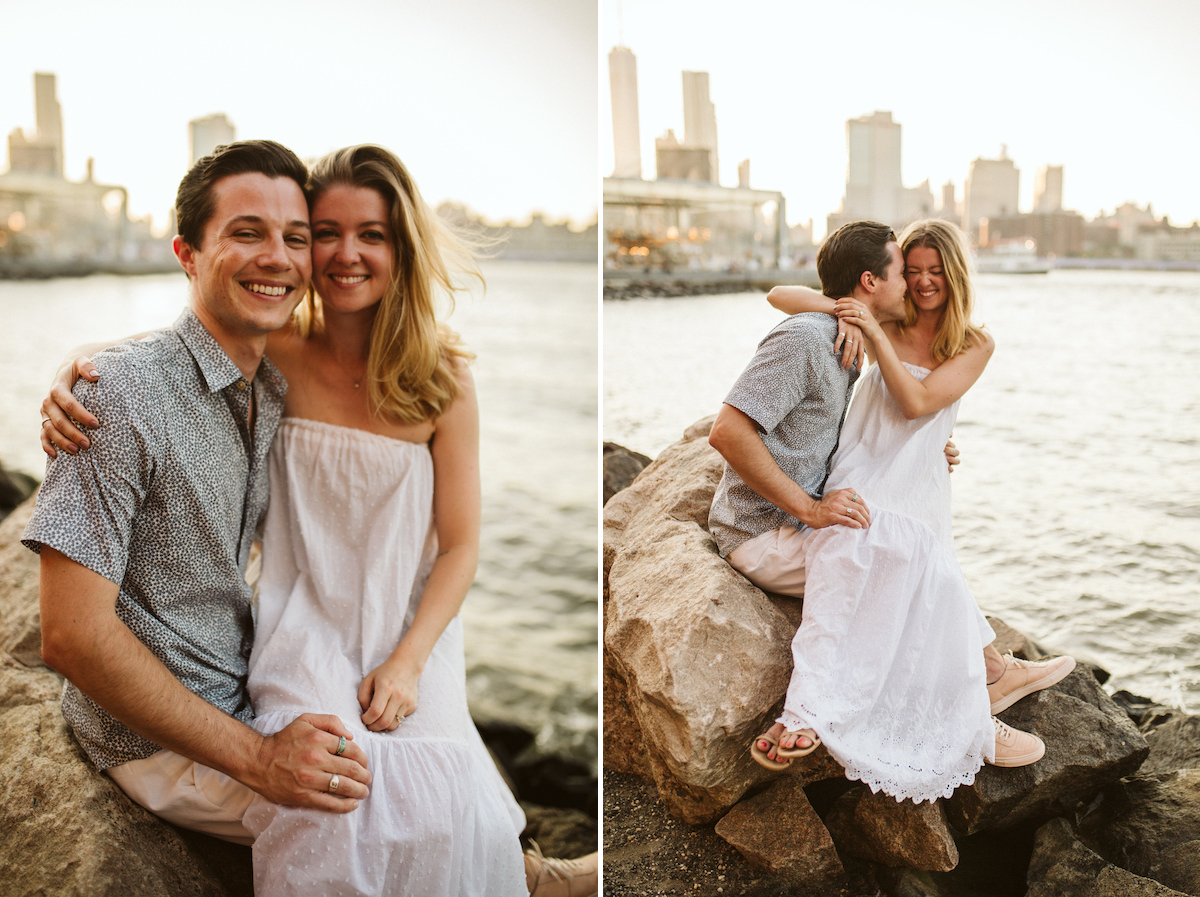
(370,545)
(889,669)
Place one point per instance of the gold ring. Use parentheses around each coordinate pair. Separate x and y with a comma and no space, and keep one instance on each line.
(333,784)
(45,420)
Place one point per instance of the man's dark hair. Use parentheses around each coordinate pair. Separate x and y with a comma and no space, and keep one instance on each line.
(849,251)
(194,201)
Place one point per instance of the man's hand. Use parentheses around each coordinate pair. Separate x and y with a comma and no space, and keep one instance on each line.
(951,451)
(297,764)
(842,507)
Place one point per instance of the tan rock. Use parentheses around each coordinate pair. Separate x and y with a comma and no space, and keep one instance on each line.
(697,656)
(779,831)
(874,826)
(64,827)
(621,467)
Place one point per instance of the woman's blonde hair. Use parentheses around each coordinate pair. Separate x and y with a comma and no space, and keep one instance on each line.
(957,332)
(412,360)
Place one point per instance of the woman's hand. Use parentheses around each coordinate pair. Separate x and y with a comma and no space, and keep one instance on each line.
(851,343)
(388,695)
(854,311)
(60,409)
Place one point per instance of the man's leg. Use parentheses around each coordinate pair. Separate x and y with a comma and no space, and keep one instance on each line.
(187,794)
(774,562)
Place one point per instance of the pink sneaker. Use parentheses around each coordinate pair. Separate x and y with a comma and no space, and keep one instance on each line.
(1016,748)
(553,877)
(1024,677)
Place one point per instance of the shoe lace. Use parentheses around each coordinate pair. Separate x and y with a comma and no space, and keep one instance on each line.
(1002,731)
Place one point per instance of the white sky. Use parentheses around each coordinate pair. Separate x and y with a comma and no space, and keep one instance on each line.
(492,104)
(1104,88)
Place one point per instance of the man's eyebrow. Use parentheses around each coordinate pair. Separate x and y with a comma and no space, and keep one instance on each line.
(258,219)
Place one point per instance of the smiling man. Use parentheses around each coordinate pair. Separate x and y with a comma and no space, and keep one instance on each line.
(145,538)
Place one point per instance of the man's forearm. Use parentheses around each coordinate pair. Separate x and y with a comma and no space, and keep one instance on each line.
(86,642)
(736,437)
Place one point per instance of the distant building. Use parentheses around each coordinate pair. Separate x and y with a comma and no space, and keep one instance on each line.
(949,207)
(668,225)
(700,118)
(1048,189)
(43,152)
(627,140)
(50,226)
(206,134)
(539,240)
(675,161)
(991,191)
(1060,234)
(1166,243)
(874,189)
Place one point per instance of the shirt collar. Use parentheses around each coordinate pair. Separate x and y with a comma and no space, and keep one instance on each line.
(216,367)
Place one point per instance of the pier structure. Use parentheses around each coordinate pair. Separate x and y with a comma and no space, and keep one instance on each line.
(666,225)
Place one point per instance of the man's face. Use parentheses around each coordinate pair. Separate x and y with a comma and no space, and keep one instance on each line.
(255,261)
(888,299)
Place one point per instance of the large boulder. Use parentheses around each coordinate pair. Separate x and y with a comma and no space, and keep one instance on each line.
(1175,744)
(64,827)
(621,467)
(1150,825)
(1062,866)
(696,657)
(877,827)
(1090,743)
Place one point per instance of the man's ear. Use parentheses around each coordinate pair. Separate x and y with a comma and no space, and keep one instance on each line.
(866,280)
(185,254)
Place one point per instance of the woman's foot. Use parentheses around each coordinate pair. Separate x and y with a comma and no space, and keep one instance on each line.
(552,877)
(1016,748)
(776,748)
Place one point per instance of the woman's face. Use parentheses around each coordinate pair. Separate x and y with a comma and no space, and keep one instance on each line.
(924,275)
(352,247)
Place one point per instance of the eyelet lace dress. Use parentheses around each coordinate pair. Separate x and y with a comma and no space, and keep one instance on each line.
(888,659)
(348,544)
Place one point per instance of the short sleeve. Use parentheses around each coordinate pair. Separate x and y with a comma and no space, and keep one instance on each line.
(88,500)
(780,375)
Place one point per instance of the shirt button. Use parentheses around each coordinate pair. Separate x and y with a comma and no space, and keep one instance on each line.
(242,384)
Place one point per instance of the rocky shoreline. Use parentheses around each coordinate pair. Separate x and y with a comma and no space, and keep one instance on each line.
(67,829)
(695,660)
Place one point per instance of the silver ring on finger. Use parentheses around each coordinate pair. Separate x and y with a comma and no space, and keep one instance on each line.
(854,497)
(399,718)
(334,783)
(341,745)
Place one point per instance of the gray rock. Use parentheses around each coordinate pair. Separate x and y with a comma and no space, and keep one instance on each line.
(696,658)
(1174,745)
(1150,825)
(1090,743)
(874,826)
(621,467)
(1062,866)
(779,831)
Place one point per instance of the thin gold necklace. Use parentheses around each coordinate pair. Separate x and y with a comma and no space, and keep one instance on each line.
(356,380)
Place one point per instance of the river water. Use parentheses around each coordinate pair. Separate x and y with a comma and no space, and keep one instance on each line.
(531,617)
(1077,504)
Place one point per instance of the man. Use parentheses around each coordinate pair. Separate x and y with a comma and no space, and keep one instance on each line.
(778,430)
(144,539)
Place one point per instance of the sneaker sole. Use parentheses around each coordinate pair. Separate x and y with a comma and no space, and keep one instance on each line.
(1030,687)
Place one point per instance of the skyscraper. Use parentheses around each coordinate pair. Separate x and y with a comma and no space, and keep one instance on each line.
(700,118)
(990,191)
(1048,189)
(622,80)
(873,183)
(206,134)
(44,151)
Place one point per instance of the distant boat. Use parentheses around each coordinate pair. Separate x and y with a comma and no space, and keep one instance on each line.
(1012,257)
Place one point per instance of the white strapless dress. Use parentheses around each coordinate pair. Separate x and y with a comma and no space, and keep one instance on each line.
(888,659)
(348,545)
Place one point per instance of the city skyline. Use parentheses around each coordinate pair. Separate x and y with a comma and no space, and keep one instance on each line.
(459,90)
(1052,88)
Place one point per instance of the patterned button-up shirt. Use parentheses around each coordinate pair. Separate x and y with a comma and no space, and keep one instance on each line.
(165,503)
(796,390)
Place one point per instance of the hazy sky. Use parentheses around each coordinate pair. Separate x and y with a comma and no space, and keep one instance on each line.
(489,104)
(1102,88)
